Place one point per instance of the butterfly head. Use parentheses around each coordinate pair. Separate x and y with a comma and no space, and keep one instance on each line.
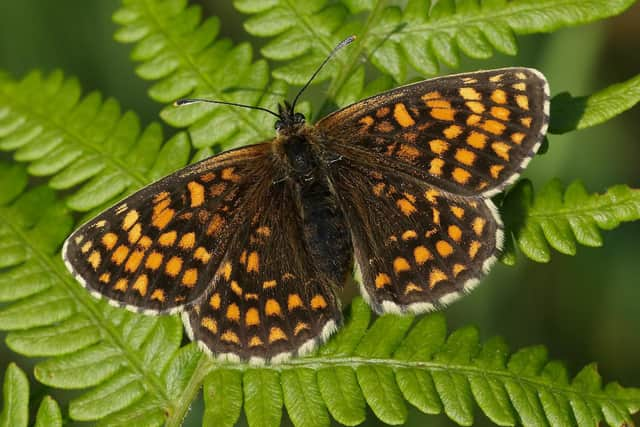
(290,121)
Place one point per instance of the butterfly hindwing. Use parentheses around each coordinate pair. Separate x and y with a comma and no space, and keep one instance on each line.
(467,134)
(158,249)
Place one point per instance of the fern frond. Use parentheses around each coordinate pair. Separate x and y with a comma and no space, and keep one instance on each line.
(15,397)
(131,364)
(184,53)
(84,144)
(421,35)
(561,218)
(399,360)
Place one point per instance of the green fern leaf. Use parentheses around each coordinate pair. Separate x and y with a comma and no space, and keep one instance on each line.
(85,145)
(560,218)
(15,395)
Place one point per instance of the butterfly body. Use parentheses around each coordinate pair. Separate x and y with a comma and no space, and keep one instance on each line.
(252,245)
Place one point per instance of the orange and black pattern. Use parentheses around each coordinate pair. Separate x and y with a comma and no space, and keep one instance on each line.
(253,244)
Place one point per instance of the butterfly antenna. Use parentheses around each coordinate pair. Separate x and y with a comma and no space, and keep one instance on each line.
(188,101)
(340,45)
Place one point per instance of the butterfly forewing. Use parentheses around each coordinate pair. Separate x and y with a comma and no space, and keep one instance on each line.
(466,134)
(158,249)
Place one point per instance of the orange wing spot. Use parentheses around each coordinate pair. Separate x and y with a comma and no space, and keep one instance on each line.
(410,136)
(215,225)
(430,95)
(430,233)
(452,131)
(519,86)
(421,255)
(470,94)
(190,277)
(526,121)
(366,121)
(438,146)
(383,111)
(521,75)
(406,207)
(408,152)
(385,126)
(318,302)
(235,288)
(196,193)
(444,248)
(249,297)
(300,326)
(160,196)
(214,301)
(187,241)
(495,170)
(500,113)
(474,247)
(412,287)
(294,302)
(494,127)
(465,156)
(401,264)
(496,78)
(469,80)
(410,197)
(100,223)
(435,166)
(276,334)
(135,233)
(226,269)
(378,188)
(522,101)
(255,341)
(129,219)
(457,269)
(134,261)
(499,96)
(477,140)
(85,248)
(478,225)
(457,211)
(158,295)
(517,137)
(272,308)
(436,276)
(141,284)
(105,277)
(268,284)
(501,149)
(163,218)
(145,242)
(217,189)
(455,232)
(475,106)
(264,231)
(243,257)
(109,240)
(436,215)
(473,119)
(208,177)
(441,110)
(210,324)
(409,234)
(482,185)
(402,116)
(230,337)
(252,317)
(202,255)
(120,254)
(167,239)
(431,195)
(154,260)
(253,262)
(382,280)
(173,267)
(229,175)
(460,175)
(233,312)
(121,285)
(393,238)
(288,276)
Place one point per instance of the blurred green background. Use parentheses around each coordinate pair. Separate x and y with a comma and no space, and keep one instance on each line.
(584,308)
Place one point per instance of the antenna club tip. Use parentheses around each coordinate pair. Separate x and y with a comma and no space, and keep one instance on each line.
(180,102)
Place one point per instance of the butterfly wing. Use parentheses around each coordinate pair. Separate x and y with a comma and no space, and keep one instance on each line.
(159,248)
(466,134)
(417,248)
(268,299)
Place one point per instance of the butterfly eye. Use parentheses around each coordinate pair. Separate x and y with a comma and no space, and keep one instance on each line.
(298,118)
(278,126)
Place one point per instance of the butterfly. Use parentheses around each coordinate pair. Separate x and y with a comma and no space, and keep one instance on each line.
(253,244)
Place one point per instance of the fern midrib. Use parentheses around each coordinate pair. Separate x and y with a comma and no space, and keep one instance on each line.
(183,403)
(115,162)
(80,296)
(589,212)
(193,65)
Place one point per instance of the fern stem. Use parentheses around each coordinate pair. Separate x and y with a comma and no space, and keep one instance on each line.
(182,405)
